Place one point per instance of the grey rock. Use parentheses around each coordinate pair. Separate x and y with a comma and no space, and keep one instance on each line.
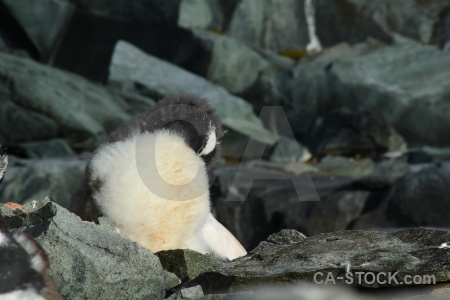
(194,292)
(52,148)
(89,261)
(427,154)
(35,179)
(206,14)
(287,150)
(347,133)
(422,198)
(399,17)
(186,264)
(171,280)
(84,118)
(131,64)
(96,26)
(264,210)
(343,166)
(357,81)
(234,65)
(286,237)
(259,24)
(409,252)
(28,125)
(45,32)
(345,21)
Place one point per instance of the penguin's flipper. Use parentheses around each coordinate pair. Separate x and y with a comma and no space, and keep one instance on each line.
(220,241)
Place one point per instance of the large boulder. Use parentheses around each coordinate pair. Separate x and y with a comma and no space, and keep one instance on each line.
(414,252)
(41,102)
(234,65)
(160,78)
(348,20)
(88,261)
(43,30)
(422,198)
(254,209)
(366,77)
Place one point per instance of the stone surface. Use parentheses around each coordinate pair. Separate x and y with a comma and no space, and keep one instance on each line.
(28,180)
(347,133)
(47,149)
(409,252)
(252,210)
(185,263)
(131,64)
(400,16)
(259,24)
(422,198)
(194,292)
(89,261)
(234,65)
(344,166)
(34,18)
(54,103)
(356,79)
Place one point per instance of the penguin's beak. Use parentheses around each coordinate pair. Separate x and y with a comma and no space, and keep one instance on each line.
(3,163)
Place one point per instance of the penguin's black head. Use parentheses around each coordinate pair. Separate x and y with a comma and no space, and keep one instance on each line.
(189,116)
(192,118)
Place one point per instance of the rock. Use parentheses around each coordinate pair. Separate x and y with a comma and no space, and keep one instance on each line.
(259,24)
(356,81)
(345,21)
(131,64)
(347,133)
(441,32)
(427,154)
(194,292)
(409,252)
(399,17)
(88,43)
(84,118)
(47,149)
(186,264)
(89,261)
(45,32)
(286,237)
(34,179)
(422,198)
(288,150)
(234,65)
(13,38)
(206,14)
(252,210)
(343,166)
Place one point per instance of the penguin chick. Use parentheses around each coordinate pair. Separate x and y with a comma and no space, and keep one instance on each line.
(23,269)
(150,178)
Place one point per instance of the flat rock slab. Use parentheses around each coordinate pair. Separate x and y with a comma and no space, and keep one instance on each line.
(412,252)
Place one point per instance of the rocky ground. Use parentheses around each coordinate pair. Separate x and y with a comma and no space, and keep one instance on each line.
(361,143)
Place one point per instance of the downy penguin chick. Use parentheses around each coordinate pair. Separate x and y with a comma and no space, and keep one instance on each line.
(150,178)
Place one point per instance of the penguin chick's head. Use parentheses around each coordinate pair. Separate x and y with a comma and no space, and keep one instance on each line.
(188,116)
